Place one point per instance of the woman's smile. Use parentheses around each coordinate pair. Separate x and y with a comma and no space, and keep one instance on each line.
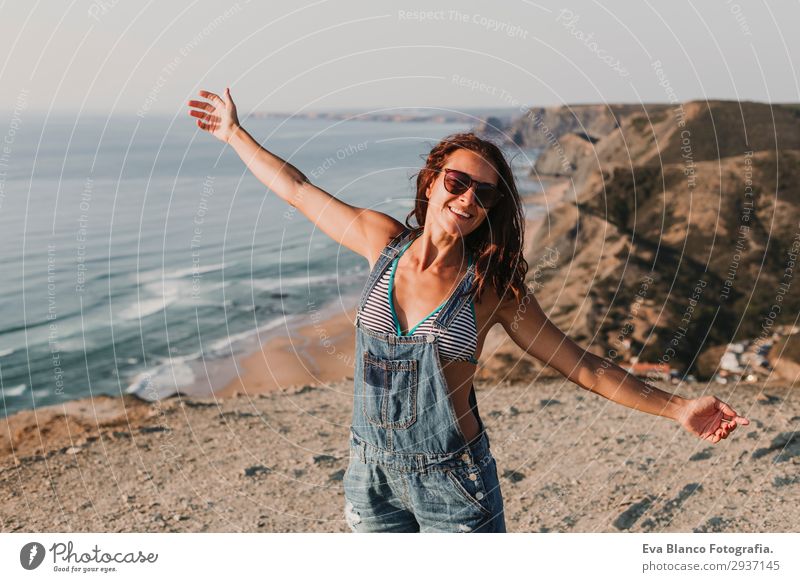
(461,215)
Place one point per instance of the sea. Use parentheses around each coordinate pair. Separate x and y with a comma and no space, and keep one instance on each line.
(138,252)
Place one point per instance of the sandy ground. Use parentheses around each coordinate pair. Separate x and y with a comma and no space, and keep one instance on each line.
(268,452)
(319,352)
(569,461)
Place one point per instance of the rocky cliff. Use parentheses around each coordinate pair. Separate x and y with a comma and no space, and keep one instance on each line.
(681,230)
(540,126)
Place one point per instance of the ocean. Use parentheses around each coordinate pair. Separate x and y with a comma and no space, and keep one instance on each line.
(138,250)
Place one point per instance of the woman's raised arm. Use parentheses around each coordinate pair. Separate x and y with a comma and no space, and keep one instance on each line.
(361,230)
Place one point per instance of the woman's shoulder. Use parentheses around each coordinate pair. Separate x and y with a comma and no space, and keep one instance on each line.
(495,306)
(391,232)
(488,304)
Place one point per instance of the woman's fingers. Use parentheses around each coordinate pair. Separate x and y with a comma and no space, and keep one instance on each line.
(201,105)
(726,426)
(728,411)
(213,96)
(217,117)
(209,120)
(725,429)
(207,117)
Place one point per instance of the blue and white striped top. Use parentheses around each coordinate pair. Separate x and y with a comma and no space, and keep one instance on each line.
(458,342)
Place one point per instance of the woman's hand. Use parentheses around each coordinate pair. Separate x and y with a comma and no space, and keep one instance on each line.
(219,117)
(709,418)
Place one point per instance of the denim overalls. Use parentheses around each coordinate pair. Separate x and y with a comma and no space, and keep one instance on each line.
(411,468)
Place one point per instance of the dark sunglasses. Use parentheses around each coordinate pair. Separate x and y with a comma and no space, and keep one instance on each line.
(457,182)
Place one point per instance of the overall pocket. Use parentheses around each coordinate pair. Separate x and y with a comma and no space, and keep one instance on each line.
(468,482)
(389,397)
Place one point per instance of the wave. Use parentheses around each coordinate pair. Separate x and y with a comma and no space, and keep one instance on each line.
(14,390)
(274,283)
(159,274)
(163,380)
(221,346)
(166,293)
(146,307)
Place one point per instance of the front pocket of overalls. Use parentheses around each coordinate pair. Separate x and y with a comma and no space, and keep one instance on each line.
(390,391)
(471,490)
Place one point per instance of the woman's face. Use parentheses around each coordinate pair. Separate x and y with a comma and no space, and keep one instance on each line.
(441,203)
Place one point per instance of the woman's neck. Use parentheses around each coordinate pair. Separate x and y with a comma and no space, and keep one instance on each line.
(437,252)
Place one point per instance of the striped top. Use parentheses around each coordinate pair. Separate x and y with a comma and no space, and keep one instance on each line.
(458,342)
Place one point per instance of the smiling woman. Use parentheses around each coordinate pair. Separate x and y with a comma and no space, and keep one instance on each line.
(420,457)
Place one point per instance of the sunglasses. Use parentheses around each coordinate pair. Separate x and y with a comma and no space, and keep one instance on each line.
(457,182)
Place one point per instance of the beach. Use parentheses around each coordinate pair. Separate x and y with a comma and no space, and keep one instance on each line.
(315,353)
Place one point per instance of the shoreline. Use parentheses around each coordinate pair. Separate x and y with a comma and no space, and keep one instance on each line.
(312,354)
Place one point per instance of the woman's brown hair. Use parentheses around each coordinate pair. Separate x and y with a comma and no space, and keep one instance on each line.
(497,242)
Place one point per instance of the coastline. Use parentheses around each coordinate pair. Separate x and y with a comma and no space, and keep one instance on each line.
(313,354)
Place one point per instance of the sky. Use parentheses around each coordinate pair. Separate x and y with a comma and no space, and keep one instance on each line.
(147,57)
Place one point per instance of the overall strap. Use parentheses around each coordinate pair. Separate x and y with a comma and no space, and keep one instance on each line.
(456,301)
(387,255)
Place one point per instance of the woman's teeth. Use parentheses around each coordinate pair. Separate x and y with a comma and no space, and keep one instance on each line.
(458,213)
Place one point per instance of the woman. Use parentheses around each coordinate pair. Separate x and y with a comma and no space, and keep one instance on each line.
(419,453)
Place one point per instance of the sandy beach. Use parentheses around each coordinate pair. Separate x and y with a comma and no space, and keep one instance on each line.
(315,353)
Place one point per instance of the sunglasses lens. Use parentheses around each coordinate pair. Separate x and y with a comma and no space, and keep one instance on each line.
(456,182)
(487,197)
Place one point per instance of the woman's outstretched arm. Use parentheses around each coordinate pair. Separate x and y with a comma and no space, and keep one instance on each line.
(706,417)
(363,231)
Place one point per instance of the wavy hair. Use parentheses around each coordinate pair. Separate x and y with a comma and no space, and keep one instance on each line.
(497,242)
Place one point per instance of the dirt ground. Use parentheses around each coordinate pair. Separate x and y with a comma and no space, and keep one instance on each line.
(569,461)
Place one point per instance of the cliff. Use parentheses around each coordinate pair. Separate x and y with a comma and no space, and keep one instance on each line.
(540,126)
(680,230)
